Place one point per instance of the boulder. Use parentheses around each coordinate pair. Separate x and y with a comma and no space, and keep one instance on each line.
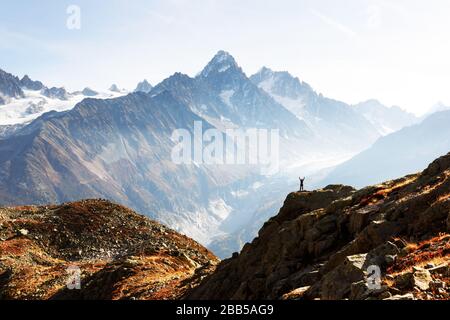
(419,278)
(360,218)
(321,246)
(404,281)
(360,291)
(438,284)
(383,255)
(304,278)
(295,294)
(23,232)
(337,283)
(443,269)
(422,279)
(327,224)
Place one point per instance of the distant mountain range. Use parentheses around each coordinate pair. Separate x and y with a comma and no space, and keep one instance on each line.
(24,100)
(222,93)
(386,120)
(435,108)
(10,87)
(143,86)
(405,151)
(59,146)
(338,122)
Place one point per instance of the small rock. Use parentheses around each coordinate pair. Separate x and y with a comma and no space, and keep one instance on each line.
(295,294)
(337,284)
(437,284)
(360,290)
(442,269)
(384,295)
(419,278)
(429,266)
(383,255)
(408,296)
(404,280)
(23,232)
(422,279)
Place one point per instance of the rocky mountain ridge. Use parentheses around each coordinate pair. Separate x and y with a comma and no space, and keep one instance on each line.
(24,100)
(9,87)
(385,119)
(334,120)
(120,254)
(322,242)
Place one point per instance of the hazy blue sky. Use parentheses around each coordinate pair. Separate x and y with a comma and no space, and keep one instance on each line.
(395,50)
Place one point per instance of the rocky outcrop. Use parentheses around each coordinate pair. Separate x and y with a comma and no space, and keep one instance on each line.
(120,254)
(55,93)
(88,92)
(9,87)
(332,243)
(143,86)
(29,84)
(8,130)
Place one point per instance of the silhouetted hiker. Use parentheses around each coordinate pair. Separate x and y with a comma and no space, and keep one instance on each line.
(302,180)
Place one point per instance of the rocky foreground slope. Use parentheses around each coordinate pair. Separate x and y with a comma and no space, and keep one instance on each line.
(121,255)
(321,244)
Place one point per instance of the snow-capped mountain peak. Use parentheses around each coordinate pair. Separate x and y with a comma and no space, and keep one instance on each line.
(9,87)
(280,83)
(437,107)
(385,119)
(29,84)
(23,100)
(88,92)
(143,86)
(223,56)
(264,73)
(221,62)
(115,88)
